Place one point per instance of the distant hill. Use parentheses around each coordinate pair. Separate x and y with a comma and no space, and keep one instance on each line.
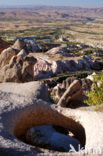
(50,12)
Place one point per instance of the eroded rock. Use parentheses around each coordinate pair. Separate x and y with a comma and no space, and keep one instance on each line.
(73,93)
(20,111)
(22,53)
(42,69)
(18,70)
(3,45)
(19,45)
(46,136)
(6,55)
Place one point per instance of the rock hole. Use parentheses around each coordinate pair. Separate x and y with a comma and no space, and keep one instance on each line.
(58,131)
(52,137)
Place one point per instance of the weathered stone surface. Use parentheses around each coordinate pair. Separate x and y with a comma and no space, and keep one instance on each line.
(66,83)
(19,44)
(3,45)
(57,90)
(22,53)
(47,67)
(73,93)
(30,90)
(64,66)
(20,111)
(18,47)
(18,70)
(42,69)
(63,51)
(6,55)
(46,136)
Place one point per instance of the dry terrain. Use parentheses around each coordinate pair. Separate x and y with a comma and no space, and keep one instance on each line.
(82,25)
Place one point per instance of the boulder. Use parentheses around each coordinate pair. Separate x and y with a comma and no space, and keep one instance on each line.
(73,93)
(18,70)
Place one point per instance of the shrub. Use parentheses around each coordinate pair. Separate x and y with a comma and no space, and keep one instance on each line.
(95,97)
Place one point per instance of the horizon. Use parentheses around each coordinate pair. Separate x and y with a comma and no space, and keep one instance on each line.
(30,6)
(73,3)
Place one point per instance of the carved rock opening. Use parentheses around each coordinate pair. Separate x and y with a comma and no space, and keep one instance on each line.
(60,122)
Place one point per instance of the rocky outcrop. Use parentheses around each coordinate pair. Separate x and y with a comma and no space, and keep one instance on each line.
(22,53)
(20,111)
(73,93)
(42,69)
(46,66)
(18,70)
(61,66)
(3,45)
(63,51)
(19,45)
(6,55)
(57,90)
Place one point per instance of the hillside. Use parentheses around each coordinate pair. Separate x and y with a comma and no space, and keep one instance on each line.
(46,12)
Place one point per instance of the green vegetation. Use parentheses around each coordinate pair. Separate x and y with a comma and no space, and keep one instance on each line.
(95,97)
(78,74)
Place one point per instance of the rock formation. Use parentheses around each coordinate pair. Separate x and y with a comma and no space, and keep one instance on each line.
(19,45)
(59,50)
(18,70)
(22,53)
(62,66)
(22,107)
(3,45)
(57,90)
(46,66)
(6,55)
(73,93)
(42,69)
